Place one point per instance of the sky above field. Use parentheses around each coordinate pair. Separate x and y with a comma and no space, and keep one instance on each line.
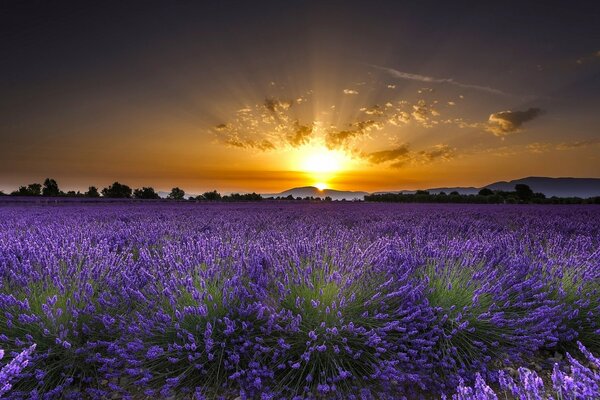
(264,96)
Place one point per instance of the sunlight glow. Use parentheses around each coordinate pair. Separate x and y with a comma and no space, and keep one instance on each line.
(318,165)
(322,161)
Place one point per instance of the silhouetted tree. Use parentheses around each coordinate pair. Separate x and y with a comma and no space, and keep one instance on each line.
(454,193)
(523,191)
(486,192)
(242,197)
(145,193)
(92,192)
(34,189)
(50,188)
(176,194)
(212,196)
(117,191)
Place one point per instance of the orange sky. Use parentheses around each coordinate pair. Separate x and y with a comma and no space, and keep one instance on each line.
(296,96)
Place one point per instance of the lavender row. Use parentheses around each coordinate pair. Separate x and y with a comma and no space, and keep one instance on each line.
(293,301)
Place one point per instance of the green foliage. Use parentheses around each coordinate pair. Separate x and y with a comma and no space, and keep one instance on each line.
(213,295)
(582,297)
(65,319)
(324,302)
(463,312)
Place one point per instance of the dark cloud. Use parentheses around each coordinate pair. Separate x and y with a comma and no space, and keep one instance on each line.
(275,105)
(250,144)
(402,155)
(301,135)
(335,139)
(338,139)
(395,154)
(440,151)
(504,123)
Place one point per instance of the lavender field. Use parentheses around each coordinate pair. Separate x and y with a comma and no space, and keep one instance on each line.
(294,301)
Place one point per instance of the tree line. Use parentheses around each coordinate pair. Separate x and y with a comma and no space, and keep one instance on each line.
(521,195)
(120,191)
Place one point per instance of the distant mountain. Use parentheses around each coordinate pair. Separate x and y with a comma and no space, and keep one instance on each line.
(310,191)
(447,190)
(560,187)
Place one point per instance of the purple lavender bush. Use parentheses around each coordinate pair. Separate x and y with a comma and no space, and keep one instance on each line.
(12,370)
(292,301)
(580,383)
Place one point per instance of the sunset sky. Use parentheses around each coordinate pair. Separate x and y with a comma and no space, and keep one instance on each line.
(265,96)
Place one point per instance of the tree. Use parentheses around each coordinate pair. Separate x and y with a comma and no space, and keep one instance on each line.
(212,196)
(117,191)
(50,188)
(145,193)
(524,192)
(486,192)
(34,189)
(92,192)
(176,194)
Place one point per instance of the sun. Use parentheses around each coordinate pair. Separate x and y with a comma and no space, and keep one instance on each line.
(318,165)
(322,161)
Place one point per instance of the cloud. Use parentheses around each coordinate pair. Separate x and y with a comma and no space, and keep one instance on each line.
(264,126)
(289,122)
(538,147)
(339,139)
(401,155)
(577,144)
(250,144)
(300,136)
(275,105)
(395,154)
(504,123)
(429,79)
(439,151)
(544,147)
